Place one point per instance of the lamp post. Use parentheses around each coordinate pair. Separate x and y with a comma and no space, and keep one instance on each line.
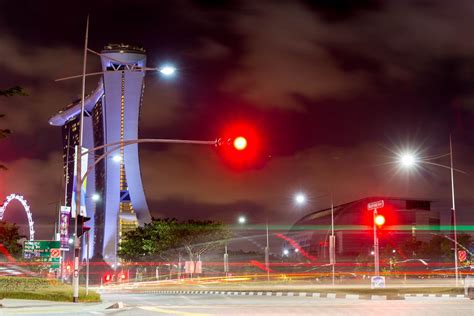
(110,149)
(242,220)
(267,255)
(300,199)
(75,280)
(409,160)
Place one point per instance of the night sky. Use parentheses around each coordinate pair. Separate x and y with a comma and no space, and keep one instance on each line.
(334,88)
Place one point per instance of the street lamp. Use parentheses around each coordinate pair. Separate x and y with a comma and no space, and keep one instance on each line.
(117,158)
(167,70)
(409,160)
(300,198)
(242,220)
(95,197)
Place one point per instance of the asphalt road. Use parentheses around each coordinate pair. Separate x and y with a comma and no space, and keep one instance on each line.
(200,305)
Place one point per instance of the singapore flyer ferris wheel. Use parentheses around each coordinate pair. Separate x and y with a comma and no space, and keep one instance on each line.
(26,207)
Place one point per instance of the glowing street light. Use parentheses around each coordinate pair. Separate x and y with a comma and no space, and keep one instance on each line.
(242,219)
(117,158)
(167,70)
(407,160)
(285,252)
(95,197)
(300,198)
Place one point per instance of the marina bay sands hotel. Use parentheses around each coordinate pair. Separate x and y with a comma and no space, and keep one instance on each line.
(112,113)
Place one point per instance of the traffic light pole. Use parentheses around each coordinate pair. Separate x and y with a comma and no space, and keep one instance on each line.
(75,279)
(376,248)
(332,244)
(87,261)
(453,209)
(267,256)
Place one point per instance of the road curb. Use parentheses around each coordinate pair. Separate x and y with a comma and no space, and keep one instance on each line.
(310,294)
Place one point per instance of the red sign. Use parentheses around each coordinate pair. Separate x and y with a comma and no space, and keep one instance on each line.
(55,253)
(462,255)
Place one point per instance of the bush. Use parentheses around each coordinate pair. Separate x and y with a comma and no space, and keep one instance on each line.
(25,284)
(41,289)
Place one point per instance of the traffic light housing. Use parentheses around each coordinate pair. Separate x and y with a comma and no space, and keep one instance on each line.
(240,146)
(379,220)
(81,228)
(240,143)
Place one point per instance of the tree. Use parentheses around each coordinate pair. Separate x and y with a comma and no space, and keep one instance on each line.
(169,238)
(13,91)
(10,237)
(199,237)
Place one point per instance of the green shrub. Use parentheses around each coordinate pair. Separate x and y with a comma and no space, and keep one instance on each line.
(25,284)
(41,289)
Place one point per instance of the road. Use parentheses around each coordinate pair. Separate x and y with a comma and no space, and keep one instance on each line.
(201,305)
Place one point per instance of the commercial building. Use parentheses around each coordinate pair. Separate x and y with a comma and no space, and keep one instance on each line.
(405,219)
(112,113)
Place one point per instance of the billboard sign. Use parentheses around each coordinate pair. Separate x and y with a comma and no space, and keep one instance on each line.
(64,227)
(84,184)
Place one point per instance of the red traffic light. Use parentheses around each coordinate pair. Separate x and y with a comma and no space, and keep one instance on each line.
(379,220)
(240,143)
(108,277)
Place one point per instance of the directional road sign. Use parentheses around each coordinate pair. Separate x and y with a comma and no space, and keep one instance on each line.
(375,205)
(39,248)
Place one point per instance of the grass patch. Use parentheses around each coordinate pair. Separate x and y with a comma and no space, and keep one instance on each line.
(60,293)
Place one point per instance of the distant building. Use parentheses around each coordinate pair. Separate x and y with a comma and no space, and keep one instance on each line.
(112,114)
(405,219)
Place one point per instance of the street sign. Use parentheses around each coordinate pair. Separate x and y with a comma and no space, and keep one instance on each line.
(375,205)
(462,255)
(43,251)
(39,248)
(55,253)
(377,282)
